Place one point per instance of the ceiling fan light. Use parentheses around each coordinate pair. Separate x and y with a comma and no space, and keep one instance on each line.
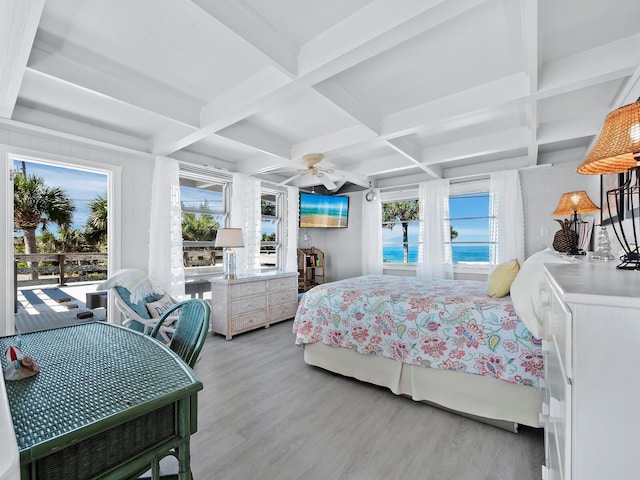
(371,194)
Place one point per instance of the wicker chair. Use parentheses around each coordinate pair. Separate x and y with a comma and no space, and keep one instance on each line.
(191,328)
(138,318)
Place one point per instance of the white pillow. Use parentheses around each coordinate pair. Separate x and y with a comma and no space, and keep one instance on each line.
(527,287)
(156,309)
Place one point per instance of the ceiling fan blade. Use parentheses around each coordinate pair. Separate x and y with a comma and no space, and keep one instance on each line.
(291,179)
(327,182)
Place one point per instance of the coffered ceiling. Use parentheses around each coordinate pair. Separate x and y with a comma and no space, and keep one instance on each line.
(388,91)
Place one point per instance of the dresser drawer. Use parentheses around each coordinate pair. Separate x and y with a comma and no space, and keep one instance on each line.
(283,312)
(248,304)
(247,322)
(284,283)
(247,289)
(287,296)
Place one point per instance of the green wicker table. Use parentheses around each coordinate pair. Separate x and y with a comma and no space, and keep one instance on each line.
(107,403)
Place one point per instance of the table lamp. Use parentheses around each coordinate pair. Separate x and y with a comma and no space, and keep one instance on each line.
(229,238)
(574,203)
(617,150)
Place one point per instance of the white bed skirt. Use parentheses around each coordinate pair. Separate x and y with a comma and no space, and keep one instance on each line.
(485,398)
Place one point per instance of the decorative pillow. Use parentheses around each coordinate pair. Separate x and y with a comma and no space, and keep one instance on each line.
(139,307)
(500,279)
(526,289)
(156,309)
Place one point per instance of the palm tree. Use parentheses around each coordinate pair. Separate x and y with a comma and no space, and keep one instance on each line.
(202,228)
(34,205)
(403,213)
(96,227)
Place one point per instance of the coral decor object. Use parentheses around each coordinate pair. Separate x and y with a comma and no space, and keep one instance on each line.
(20,366)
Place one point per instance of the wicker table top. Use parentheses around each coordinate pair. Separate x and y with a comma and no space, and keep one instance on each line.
(90,373)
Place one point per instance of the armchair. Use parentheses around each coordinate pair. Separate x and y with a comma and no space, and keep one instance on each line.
(133,293)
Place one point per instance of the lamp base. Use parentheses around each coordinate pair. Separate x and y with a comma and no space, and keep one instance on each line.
(229,267)
(630,261)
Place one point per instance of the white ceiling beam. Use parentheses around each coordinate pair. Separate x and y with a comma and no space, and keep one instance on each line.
(171,139)
(258,139)
(333,141)
(239,18)
(382,165)
(476,146)
(530,29)
(226,106)
(378,25)
(125,97)
(570,128)
(460,104)
(343,100)
(412,153)
(19,21)
(385,39)
(606,62)
(485,168)
(85,74)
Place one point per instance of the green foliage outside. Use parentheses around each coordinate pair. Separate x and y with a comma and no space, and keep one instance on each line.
(38,206)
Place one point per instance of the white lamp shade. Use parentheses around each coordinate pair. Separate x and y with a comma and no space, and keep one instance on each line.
(229,238)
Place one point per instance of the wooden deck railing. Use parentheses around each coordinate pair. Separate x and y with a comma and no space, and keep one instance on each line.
(60,268)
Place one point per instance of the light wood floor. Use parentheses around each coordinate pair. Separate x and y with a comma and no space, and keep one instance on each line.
(265,414)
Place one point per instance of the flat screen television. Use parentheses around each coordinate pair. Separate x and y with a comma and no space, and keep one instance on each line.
(323,211)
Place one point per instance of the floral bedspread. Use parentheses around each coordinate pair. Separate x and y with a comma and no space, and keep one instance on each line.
(448,324)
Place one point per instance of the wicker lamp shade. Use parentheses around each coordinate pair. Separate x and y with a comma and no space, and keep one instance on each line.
(574,202)
(618,146)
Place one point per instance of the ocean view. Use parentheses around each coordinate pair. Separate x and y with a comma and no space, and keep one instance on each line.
(461,253)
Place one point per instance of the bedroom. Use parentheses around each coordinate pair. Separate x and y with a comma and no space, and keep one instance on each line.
(248,88)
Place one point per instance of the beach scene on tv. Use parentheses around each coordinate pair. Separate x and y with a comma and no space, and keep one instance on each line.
(323,211)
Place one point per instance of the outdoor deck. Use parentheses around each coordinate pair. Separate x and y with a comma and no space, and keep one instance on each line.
(51,306)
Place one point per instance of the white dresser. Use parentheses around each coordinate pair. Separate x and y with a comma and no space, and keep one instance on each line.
(250,302)
(591,341)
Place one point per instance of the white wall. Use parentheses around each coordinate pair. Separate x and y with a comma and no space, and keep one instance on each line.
(541,191)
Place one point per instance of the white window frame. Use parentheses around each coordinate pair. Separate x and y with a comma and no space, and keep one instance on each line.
(398,196)
(206,177)
(279,230)
(463,188)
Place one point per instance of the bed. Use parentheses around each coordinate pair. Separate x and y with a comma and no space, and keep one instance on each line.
(446,342)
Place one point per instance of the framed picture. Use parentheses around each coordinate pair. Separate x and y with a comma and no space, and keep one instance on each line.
(609,182)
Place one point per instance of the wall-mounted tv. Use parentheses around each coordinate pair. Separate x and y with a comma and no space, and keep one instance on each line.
(323,211)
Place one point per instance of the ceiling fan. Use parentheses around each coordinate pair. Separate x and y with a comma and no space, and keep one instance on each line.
(311,161)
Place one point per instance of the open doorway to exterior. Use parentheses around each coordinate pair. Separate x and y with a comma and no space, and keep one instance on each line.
(60,242)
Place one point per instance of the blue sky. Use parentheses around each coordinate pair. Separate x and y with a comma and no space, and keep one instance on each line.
(81,186)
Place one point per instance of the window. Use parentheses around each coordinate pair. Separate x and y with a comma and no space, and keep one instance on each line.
(400,231)
(270,234)
(204,211)
(469,217)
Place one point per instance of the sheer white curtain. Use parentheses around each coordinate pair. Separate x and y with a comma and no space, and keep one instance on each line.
(293,206)
(246,214)
(434,256)
(507,224)
(371,235)
(165,244)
